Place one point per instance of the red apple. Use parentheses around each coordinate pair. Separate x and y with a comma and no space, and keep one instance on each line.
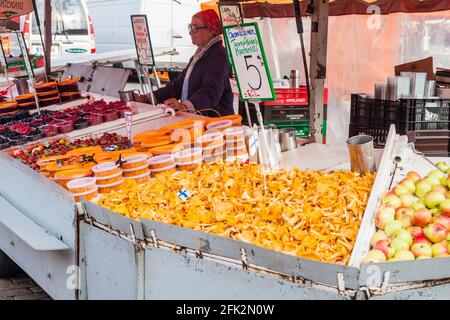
(402,211)
(444,220)
(414,176)
(439,249)
(378,236)
(422,217)
(385,247)
(384,216)
(421,249)
(435,232)
(416,232)
(407,221)
(433,199)
(447,195)
(422,187)
(386,194)
(422,240)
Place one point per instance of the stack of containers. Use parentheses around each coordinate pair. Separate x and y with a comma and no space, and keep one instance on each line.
(109,176)
(189,159)
(219,125)
(162,163)
(213,145)
(136,167)
(235,144)
(65,176)
(83,187)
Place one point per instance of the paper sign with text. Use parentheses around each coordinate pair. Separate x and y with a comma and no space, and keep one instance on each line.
(230,14)
(142,40)
(249,62)
(26,57)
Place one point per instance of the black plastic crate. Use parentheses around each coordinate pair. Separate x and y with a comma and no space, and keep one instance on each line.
(405,114)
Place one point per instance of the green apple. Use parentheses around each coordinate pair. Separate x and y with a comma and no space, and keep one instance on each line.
(404,235)
(404,255)
(422,187)
(399,245)
(392,227)
(374,256)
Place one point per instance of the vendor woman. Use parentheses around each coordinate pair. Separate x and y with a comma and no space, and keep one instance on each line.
(204,84)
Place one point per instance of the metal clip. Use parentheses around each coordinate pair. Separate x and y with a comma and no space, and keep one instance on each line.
(386,277)
(341,282)
(155,242)
(244,259)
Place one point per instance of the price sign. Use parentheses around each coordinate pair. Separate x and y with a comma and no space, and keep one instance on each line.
(231,14)
(249,62)
(3,57)
(142,41)
(26,57)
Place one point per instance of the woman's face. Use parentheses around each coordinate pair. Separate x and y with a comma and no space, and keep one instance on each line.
(202,36)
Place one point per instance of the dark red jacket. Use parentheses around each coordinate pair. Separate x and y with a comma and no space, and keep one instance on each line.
(209,84)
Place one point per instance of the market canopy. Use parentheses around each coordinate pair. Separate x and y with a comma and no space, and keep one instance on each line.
(13,8)
(283,8)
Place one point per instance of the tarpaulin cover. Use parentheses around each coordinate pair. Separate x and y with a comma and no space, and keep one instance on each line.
(362,50)
(283,8)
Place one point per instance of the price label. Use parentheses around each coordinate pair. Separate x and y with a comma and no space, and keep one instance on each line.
(231,14)
(142,40)
(26,57)
(128,121)
(249,62)
(3,57)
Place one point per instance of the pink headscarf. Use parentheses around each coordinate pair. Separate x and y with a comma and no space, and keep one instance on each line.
(211,19)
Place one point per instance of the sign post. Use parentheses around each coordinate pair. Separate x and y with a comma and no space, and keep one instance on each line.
(5,66)
(144,50)
(26,58)
(251,69)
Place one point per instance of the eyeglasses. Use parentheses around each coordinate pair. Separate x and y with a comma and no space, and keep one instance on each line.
(193,28)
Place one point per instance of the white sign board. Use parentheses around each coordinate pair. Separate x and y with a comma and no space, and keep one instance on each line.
(142,41)
(249,62)
(26,57)
(231,14)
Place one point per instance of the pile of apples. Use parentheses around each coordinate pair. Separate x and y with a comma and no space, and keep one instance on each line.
(413,220)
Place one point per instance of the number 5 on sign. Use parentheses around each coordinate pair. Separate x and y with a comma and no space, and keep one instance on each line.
(249,62)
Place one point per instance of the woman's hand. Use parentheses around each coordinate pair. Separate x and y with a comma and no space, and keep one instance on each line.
(175,104)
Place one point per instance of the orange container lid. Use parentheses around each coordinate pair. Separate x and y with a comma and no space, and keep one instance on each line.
(67,82)
(26,96)
(156,142)
(45,85)
(235,118)
(50,99)
(8,104)
(85,151)
(103,156)
(47,160)
(72,174)
(47,93)
(186,124)
(144,135)
(167,149)
(53,167)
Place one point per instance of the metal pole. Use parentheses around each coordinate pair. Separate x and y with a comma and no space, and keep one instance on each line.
(48,35)
(38,23)
(318,66)
(300,31)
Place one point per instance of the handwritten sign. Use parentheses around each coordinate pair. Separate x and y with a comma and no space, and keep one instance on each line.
(24,50)
(3,57)
(142,41)
(231,14)
(13,8)
(249,62)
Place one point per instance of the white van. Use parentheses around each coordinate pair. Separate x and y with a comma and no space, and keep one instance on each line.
(167,19)
(72,29)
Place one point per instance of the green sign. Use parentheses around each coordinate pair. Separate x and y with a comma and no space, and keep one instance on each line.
(76,50)
(249,62)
